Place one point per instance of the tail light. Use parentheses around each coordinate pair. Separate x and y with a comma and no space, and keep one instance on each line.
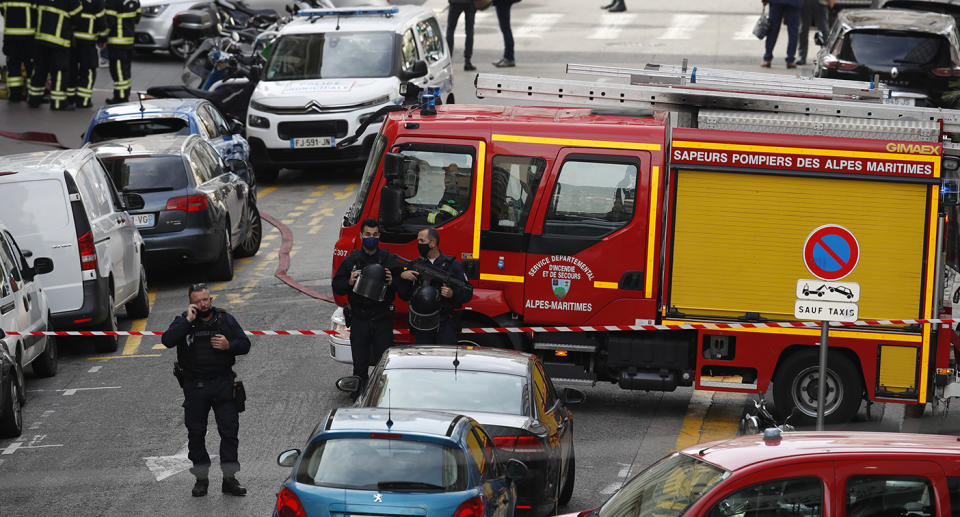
(194,203)
(947,71)
(839,64)
(88,252)
(288,504)
(472,507)
(518,443)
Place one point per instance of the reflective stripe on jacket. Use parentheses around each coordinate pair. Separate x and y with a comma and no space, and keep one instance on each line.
(18,18)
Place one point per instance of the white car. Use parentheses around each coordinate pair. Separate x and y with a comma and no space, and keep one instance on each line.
(329,71)
(156,24)
(63,205)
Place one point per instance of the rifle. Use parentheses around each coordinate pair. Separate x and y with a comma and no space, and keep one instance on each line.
(430,274)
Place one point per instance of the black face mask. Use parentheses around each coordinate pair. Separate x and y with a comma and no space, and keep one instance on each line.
(204,314)
(424,249)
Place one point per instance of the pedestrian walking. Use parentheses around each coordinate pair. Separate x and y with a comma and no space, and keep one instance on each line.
(815,12)
(783,11)
(89,38)
(616,6)
(56,20)
(503,17)
(469,11)
(370,318)
(18,33)
(208,339)
(122,18)
(433,302)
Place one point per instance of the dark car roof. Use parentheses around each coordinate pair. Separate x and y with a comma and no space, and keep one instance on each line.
(470,358)
(152,144)
(897,20)
(436,423)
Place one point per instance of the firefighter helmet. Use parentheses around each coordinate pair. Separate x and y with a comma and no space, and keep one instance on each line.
(425,308)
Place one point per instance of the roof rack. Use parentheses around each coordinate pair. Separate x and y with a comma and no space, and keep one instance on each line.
(343,11)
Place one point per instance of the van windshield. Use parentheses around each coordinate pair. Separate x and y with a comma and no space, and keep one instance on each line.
(32,207)
(147,173)
(332,56)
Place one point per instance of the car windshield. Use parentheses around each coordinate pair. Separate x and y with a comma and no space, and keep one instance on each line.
(383,464)
(452,390)
(332,56)
(147,173)
(667,488)
(111,130)
(874,48)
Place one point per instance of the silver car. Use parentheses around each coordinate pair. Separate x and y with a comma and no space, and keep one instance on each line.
(156,22)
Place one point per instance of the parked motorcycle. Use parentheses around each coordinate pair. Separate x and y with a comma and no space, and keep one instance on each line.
(762,419)
(215,19)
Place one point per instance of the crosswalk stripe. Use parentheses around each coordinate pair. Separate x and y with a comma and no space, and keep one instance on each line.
(683,26)
(746,29)
(537,25)
(612,25)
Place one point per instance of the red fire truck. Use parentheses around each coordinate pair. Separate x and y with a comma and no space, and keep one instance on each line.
(678,201)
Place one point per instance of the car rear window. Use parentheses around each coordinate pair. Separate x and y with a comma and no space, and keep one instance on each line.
(111,130)
(147,173)
(895,48)
(31,207)
(450,390)
(384,464)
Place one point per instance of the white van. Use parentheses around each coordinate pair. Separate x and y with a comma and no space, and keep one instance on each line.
(329,71)
(63,205)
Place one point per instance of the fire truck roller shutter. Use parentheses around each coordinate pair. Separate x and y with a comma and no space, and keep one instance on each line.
(739,241)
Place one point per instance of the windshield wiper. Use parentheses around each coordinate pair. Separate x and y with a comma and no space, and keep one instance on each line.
(386,485)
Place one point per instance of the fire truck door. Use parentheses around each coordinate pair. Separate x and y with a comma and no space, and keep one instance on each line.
(587,256)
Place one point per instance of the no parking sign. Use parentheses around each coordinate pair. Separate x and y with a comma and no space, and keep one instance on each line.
(831,252)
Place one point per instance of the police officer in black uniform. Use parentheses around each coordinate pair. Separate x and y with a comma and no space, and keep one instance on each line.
(18,30)
(451,298)
(208,339)
(56,20)
(86,54)
(371,321)
(122,18)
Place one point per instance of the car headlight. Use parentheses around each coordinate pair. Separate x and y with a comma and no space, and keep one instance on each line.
(153,11)
(339,324)
(258,121)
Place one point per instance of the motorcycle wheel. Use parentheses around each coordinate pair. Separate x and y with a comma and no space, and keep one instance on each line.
(182,48)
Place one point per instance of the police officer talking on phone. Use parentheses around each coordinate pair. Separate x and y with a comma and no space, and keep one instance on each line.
(369,305)
(208,339)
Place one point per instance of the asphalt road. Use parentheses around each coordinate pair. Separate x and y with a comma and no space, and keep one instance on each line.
(106,436)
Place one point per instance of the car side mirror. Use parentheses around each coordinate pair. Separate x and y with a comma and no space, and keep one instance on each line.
(238,167)
(133,201)
(42,265)
(818,38)
(419,69)
(572,396)
(349,384)
(235,127)
(288,458)
(516,469)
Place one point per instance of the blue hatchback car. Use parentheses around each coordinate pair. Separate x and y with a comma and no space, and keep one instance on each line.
(372,461)
(169,116)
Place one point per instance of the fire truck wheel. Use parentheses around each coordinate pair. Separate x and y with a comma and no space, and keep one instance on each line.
(796,383)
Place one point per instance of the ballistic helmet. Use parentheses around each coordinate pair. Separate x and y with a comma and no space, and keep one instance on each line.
(372,282)
(425,308)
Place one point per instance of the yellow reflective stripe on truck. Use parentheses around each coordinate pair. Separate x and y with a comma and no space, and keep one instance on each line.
(609,144)
(478,206)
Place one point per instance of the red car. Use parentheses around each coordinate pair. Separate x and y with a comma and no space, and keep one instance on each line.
(854,474)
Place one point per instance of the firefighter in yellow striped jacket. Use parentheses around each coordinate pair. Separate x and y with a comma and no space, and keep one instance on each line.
(122,17)
(56,20)
(86,54)
(19,24)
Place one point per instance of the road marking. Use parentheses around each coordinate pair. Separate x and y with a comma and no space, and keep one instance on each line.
(72,391)
(315,229)
(131,343)
(537,25)
(621,476)
(746,29)
(294,214)
(711,415)
(102,358)
(310,200)
(287,221)
(683,26)
(324,212)
(612,25)
(163,467)
(94,369)
(262,193)
(340,196)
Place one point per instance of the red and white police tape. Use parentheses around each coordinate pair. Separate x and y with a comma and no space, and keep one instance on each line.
(502,330)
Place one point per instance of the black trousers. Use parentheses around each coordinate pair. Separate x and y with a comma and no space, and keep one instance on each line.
(19,52)
(52,60)
(369,339)
(817,14)
(453,14)
(86,59)
(445,334)
(198,398)
(120,58)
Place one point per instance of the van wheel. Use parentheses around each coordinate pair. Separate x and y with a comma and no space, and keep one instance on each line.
(107,344)
(139,307)
(796,383)
(11,415)
(266,174)
(222,269)
(46,364)
(251,244)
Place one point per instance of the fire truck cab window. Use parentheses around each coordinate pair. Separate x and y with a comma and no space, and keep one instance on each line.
(436,186)
(592,198)
(513,185)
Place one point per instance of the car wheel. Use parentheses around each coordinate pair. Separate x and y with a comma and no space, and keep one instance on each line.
(45,365)
(223,268)
(254,226)
(139,307)
(182,48)
(11,415)
(18,368)
(266,174)
(796,384)
(567,491)
(107,344)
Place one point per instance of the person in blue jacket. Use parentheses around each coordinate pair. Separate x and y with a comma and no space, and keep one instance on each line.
(783,11)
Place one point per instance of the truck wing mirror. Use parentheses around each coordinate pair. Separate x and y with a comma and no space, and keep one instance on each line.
(392,163)
(391,206)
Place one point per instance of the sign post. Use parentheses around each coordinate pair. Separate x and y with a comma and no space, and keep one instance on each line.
(830,253)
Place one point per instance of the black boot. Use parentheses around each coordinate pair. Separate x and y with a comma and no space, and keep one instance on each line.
(468,66)
(16,94)
(611,4)
(200,487)
(232,486)
(116,100)
(618,6)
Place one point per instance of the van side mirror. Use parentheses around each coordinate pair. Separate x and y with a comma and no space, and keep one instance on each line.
(42,265)
(419,69)
(391,206)
(133,201)
(392,163)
